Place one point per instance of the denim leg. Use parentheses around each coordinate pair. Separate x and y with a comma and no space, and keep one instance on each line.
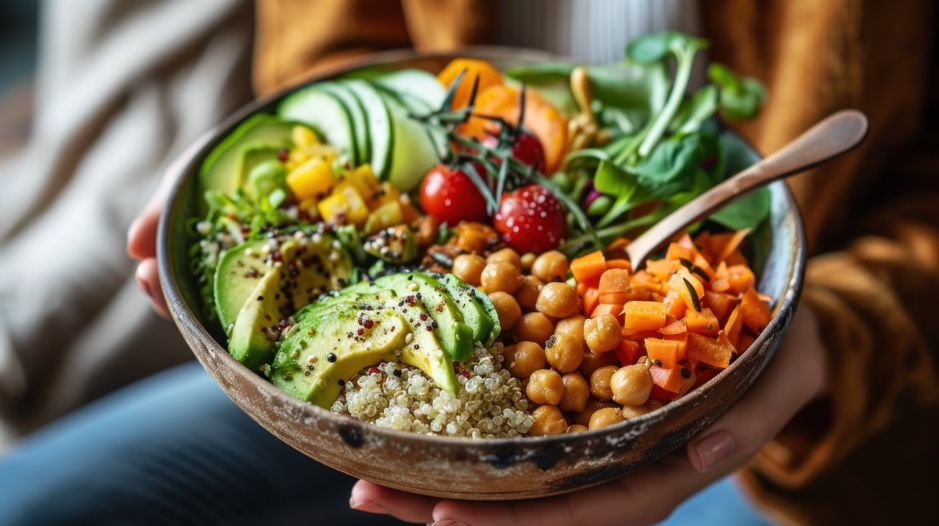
(172,449)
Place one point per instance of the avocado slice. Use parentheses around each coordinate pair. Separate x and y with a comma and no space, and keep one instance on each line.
(261,172)
(221,169)
(478,311)
(329,351)
(455,335)
(362,302)
(256,328)
(313,264)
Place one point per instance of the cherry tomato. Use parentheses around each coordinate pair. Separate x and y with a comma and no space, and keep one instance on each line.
(449,195)
(531,219)
(526,149)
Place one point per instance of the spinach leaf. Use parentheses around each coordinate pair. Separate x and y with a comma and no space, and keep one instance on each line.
(740,98)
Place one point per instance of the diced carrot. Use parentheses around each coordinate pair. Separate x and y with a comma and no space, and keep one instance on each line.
(646,281)
(644,315)
(682,340)
(736,258)
(739,278)
(662,268)
(716,352)
(745,340)
(619,263)
(704,322)
(591,298)
(614,280)
(675,380)
(674,305)
(725,244)
(733,326)
(755,312)
(663,353)
(690,289)
(720,304)
(615,298)
(677,252)
(619,243)
(674,327)
(627,351)
(606,308)
(703,265)
(588,267)
(685,241)
(703,374)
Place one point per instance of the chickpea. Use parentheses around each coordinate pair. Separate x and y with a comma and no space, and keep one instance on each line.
(533,327)
(593,361)
(572,326)
(592,406)
(576,428)
(527,260)
(600,382)
(500,276)
(527,294)
(605,417)
(631,385)
(548,420)
(558,300)
(634,411)
(576,393)
(506,254)
(469,268)
(507,308)
(524,358)
(603,334)
(550,266)
(545,387)
(563,352)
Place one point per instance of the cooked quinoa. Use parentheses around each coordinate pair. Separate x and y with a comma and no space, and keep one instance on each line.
(490,404)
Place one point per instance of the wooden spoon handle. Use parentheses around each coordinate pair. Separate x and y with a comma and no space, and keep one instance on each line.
(831,137)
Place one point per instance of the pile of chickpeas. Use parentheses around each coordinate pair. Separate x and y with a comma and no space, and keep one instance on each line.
(564,360)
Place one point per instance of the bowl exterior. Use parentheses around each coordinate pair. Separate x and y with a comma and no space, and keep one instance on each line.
(457,467)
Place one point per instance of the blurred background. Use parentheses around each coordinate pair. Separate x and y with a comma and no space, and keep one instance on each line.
(19,44)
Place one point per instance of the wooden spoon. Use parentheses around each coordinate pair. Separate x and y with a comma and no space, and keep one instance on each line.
(831,137)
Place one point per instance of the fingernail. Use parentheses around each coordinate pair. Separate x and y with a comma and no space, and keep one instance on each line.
(449,522)
(714,448)
(367,506)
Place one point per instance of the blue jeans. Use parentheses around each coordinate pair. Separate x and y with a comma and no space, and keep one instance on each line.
(174,449)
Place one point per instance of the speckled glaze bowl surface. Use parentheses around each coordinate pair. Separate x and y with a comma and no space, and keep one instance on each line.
(464,468)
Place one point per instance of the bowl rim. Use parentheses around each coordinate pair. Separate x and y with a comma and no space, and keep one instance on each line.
(189,160)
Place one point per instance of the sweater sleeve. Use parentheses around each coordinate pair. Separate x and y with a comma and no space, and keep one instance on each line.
(864,452)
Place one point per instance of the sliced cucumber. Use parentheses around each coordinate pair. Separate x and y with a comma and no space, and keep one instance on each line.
(414,83)
(380,128)
(413,151)
(221,170)
(326,112)
(359,119)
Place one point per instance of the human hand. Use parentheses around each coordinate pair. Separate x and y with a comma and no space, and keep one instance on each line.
(795,376)
(141,245)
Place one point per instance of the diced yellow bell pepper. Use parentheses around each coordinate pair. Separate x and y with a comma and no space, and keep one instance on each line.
(303,137)
(357,211)
(344,205)
(311,180)
(364,181)
(387,215)
(333,208)
(388,193)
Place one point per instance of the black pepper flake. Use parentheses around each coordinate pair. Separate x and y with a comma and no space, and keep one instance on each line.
(397,372)
(342,383)
(658,363)
(260,298)
(685,373)
(331,357)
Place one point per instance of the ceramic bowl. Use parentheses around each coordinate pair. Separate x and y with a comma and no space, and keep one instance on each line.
(461,467)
